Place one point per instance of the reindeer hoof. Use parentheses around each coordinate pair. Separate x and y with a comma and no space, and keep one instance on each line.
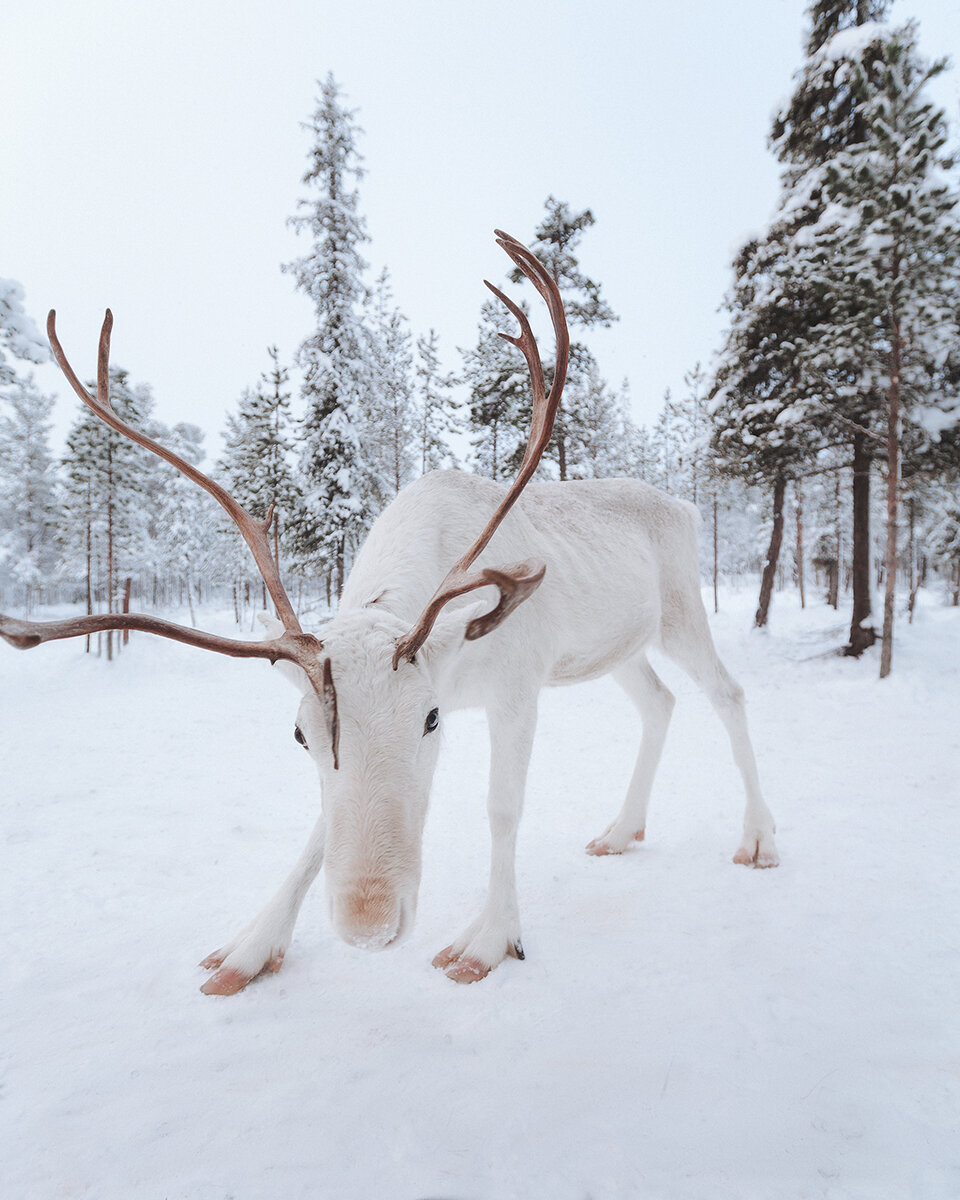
(761,854)
(601,845)
(230,980)
(467,970)
(226,983)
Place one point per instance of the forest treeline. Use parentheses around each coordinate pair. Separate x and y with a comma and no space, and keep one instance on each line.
(822,445)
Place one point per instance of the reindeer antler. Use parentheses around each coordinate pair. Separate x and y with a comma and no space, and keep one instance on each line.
(517,581)
(253,531)
(293,645)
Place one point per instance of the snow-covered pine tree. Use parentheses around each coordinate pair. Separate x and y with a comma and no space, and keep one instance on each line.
(884,257)
(437,411)
(820,121)
(759,391)
(186,526)
(666,443)
(19,336)
(603,442)
(28,511)
(389,420)
(555,241)
(499,387)
(257,452)
(339,487)
(107,481)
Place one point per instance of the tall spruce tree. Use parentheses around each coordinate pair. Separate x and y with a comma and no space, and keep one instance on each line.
(438,413)
(340,489)
(107,480)
(498,382)
(389,421)
(28,516)
(821,121)
(19,336)
(883,257)
(257,453)
(555,242)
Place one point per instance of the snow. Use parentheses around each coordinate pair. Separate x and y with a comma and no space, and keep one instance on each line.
(681,1028)
(850,43)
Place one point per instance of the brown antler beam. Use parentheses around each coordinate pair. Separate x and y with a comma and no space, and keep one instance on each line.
(516,583)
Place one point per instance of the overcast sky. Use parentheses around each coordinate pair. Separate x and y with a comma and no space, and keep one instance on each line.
(152,152)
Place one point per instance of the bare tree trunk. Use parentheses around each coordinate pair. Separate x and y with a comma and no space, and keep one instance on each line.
(109,550)
(861,636)
(341,550)
(893,495)
(833,598)
(89,580)
(798,499)
(562,454)
(716,557)
(915,574)
(193,619)
(127,584)
(773,554)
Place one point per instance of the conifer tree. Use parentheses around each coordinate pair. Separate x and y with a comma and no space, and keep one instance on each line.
(28,517)
(106,518)
(884,258)
(389,420)
(19,336)
(339,488)
(256,461)
(498,383)
(820,121)
(555,241)
(437,410)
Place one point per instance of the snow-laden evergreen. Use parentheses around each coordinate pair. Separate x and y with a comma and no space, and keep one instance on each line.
(256,465)
(30,553)
(555,241)
(340,488)
(19,336)
(438,414)
(499,389)
(389,419)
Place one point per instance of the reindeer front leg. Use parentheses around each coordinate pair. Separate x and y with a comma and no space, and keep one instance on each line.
(496,932)
(262,945)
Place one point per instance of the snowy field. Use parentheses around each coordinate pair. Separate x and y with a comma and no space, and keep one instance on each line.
(681,1027)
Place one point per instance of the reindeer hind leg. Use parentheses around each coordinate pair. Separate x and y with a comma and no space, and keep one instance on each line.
(686,639)
(655,702)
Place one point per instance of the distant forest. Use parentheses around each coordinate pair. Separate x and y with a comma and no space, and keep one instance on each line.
(821,446)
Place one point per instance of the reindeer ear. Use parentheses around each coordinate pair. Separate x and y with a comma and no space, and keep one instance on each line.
(288,670)
(273,625)
(449,634)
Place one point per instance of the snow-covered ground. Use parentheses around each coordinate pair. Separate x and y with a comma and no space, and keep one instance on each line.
(681,1027)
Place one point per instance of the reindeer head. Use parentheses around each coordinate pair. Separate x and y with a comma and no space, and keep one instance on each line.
(370,709)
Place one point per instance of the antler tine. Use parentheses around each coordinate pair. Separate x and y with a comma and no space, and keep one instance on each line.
(515,582)
(525,342)
(253,531)
(103,361)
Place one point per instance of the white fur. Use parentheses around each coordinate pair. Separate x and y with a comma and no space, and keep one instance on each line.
(621,576)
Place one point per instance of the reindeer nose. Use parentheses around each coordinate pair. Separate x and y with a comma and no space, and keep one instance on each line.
(369,915)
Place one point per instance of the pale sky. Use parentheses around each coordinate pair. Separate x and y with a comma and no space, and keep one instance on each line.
(152,152)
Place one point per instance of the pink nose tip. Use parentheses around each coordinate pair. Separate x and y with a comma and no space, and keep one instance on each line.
(369,916)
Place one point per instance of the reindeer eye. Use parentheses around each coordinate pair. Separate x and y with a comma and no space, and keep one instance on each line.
(298,735)
(432,721)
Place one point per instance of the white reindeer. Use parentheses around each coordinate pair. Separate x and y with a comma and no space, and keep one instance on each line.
(603,569)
